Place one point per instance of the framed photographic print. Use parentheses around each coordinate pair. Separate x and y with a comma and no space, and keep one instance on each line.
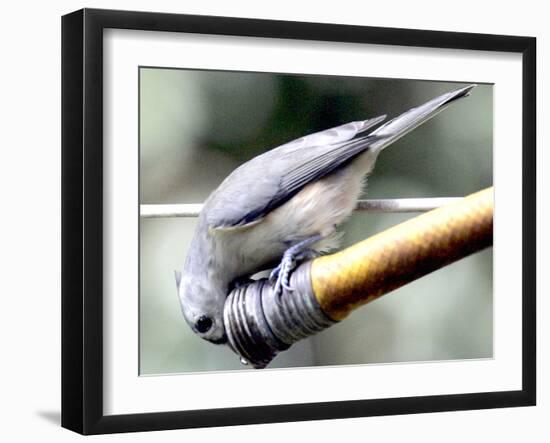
(235,152)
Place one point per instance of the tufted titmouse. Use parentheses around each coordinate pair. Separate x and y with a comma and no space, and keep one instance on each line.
(283,206)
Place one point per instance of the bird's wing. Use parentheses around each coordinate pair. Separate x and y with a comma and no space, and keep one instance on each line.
(271,179)
(331,136)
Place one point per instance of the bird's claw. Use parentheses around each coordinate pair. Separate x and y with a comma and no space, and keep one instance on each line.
(280,276)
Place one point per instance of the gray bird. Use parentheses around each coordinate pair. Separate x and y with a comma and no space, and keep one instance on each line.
(283,207)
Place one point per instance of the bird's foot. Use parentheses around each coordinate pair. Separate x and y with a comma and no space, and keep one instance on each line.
(280,276)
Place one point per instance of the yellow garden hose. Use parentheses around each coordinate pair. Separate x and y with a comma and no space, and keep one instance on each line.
(363,272)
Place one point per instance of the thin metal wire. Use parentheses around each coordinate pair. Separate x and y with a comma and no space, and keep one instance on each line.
(380,205)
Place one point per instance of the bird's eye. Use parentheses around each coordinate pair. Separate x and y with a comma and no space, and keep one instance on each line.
(203,324)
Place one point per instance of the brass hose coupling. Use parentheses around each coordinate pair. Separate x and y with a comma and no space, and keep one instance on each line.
(260,324)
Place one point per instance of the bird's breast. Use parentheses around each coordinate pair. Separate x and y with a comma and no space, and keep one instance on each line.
(316,209)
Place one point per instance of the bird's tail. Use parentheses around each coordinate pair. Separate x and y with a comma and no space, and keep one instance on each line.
(406,122)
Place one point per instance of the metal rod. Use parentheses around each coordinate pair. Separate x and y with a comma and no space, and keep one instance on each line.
(379,205)
(161,211)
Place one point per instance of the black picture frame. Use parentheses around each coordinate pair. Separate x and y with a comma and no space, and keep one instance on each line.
(82,218)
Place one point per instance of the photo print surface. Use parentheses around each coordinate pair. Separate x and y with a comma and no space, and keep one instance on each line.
(197,126)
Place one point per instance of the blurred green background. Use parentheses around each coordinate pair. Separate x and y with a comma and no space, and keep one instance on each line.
(197,126)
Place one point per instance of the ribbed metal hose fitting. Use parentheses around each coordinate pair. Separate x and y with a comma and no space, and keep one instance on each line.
(260,324)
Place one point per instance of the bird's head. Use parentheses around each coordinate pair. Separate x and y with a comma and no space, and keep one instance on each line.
(202,304)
